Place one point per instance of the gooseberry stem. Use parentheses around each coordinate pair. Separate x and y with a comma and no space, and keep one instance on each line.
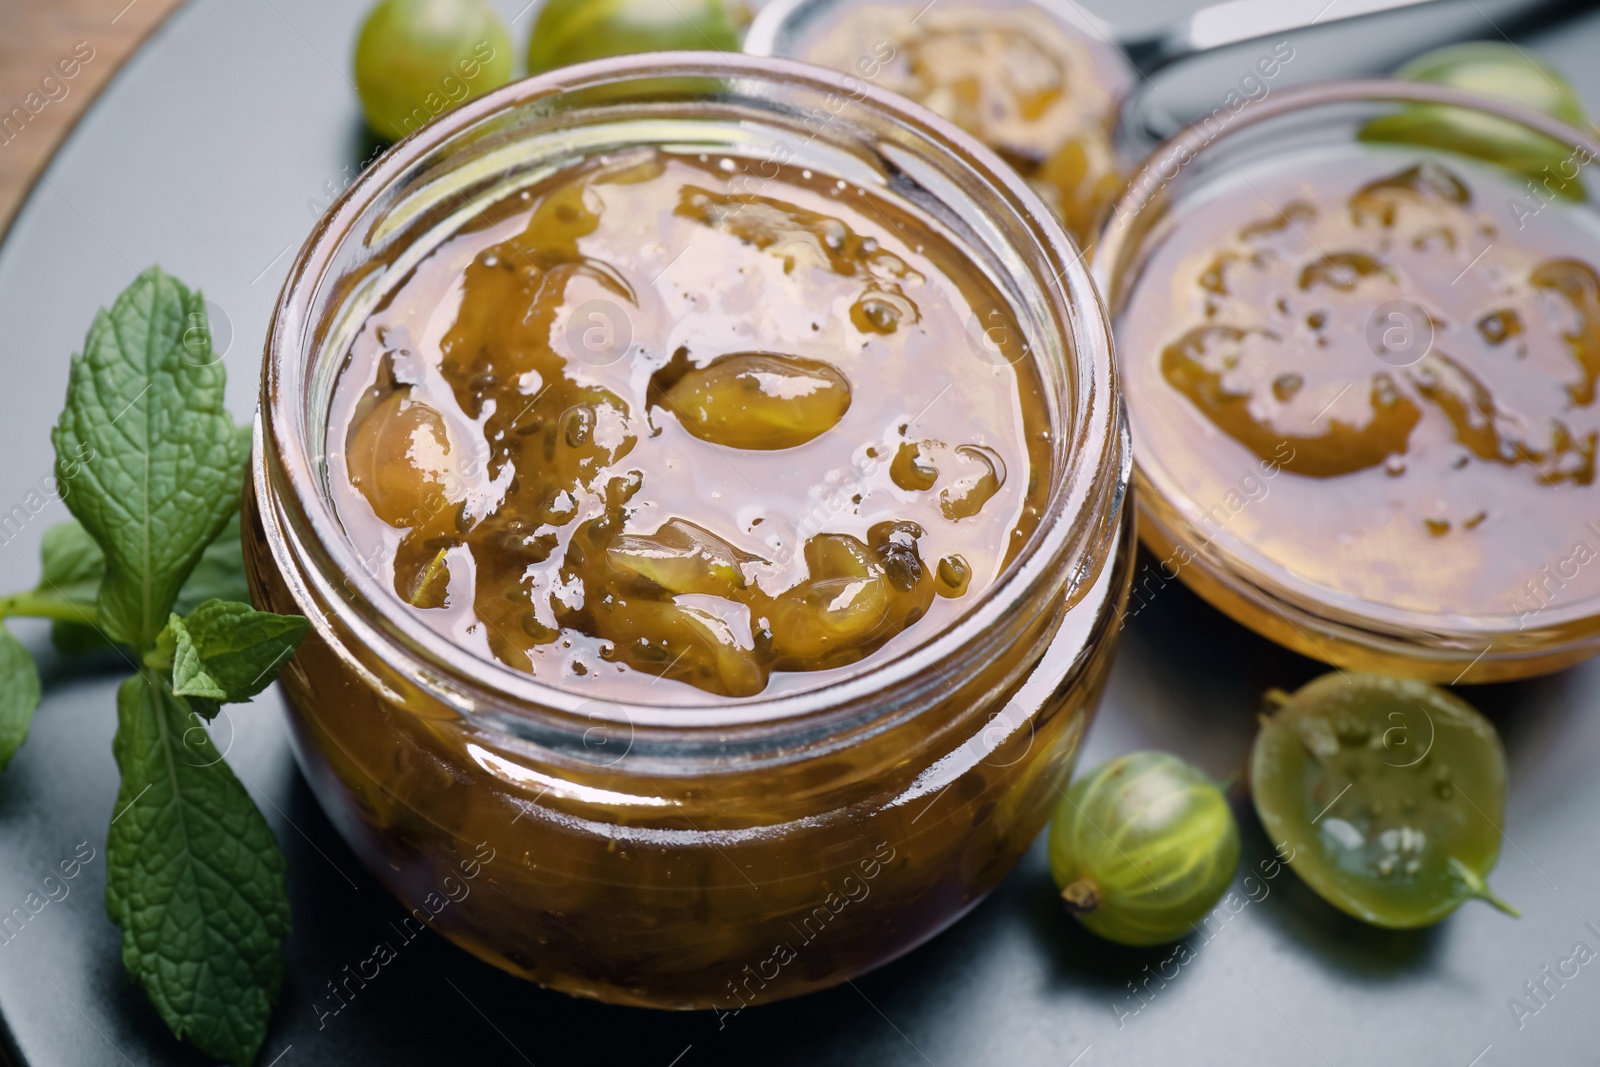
(37,605)
(1478,888)
(1081,897)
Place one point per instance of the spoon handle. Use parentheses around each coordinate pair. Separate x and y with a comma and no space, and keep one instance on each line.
(1237,21)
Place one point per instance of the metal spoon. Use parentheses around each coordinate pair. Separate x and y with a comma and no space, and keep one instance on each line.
(1149,115)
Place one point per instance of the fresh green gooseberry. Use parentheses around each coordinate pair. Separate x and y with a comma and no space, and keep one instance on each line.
(1386,796)
(417,59)
(1500,70)
(1504,72)
(1142,847)
(572,31)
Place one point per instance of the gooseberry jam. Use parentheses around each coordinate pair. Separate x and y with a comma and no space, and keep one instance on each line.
(1041,91)
(642,421)
(705,481)
(1362,379)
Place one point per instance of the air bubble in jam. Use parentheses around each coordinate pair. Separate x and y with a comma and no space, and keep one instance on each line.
(565,504)
(1498,327)
(882,312)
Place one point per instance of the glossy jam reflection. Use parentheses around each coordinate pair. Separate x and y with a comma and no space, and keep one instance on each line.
(650,421)
(1016,76)
(1376,370)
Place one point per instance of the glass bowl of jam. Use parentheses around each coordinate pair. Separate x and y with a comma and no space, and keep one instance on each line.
(1035,80)
(705,477)
(1359,328)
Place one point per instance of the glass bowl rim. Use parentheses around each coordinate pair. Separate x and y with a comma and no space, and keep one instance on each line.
(781,16)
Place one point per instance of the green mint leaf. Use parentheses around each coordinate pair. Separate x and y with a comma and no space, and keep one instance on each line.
(154,459)
(193,877)
(71,564)
(73,567)
(74,637)
(229,652)
(19,695)
(220,573)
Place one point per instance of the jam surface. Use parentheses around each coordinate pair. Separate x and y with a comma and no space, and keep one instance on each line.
(666,417)
(1015,76)
(1377,370)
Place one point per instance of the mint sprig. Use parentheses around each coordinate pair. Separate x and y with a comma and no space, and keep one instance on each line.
(165,459)
(226,652)
(151,465)
(193,876)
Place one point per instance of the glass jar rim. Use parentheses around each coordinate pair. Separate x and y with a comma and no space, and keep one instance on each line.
(1078,521)
(1242,570)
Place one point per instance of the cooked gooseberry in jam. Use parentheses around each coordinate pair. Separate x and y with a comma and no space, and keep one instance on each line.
(670,417)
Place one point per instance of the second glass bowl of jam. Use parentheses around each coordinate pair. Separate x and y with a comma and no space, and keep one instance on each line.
(705,477)
(1036,80)
(1361,375)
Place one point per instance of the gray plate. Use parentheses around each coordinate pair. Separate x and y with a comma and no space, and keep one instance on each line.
(211,153)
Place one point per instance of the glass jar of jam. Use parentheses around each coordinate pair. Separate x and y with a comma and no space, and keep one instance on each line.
(705,478)
(1359,327)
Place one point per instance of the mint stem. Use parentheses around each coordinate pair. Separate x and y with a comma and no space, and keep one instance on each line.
(36,605)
